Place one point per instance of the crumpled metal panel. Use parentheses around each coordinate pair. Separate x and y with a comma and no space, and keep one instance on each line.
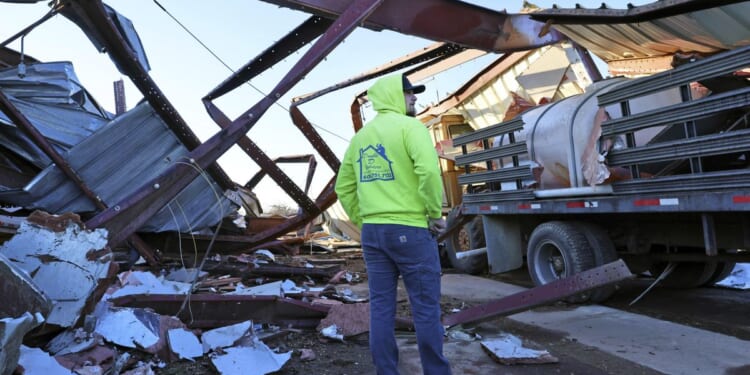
(123,25)
(55,103)
(113,174)
(706,31)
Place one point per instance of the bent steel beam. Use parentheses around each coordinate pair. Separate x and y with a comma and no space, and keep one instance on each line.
(428,55)
(600,276)
(127,216)
(444,20)
(303,34)
(92,17)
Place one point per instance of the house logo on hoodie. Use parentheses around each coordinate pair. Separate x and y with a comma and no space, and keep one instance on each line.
(374,164)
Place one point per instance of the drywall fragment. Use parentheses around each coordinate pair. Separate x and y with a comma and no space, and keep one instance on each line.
(254,358)
(184,343)
(136,328)
(67,265)
(225,336)
(36,361)
(12,331)
(509,350)
(138,282)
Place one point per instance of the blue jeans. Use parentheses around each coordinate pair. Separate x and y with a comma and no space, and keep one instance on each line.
(391,250)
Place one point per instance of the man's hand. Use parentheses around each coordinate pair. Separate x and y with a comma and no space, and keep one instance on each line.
(436,225)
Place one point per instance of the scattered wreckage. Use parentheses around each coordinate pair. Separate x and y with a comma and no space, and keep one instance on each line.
(69,202)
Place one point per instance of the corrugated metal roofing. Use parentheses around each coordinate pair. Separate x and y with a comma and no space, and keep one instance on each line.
(55,103)
(705,31)
(114,174)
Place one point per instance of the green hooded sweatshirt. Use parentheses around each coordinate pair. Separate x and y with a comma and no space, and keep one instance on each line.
(390,172)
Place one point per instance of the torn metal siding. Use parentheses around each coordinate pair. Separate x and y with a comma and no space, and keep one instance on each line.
(705,31)
(114,174)
(55,103)
(123,25)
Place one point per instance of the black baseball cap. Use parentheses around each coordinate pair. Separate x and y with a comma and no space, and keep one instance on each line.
(418,89)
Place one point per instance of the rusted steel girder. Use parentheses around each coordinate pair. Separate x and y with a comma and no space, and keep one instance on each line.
(311,165)
(219,310)
(90,14)
(444,20)
(581,282)
(299,37)
(216,310)
(429,55)
(23,123)
(127,216)
(303,34)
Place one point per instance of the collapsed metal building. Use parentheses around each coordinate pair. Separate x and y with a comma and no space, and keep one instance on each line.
(61,152)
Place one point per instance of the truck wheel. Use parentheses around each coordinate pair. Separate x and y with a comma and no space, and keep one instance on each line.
(604,252)
(557,250)
(723,269)
(470,236)
(685,275)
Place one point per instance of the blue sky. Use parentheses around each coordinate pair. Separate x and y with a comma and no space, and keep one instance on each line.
(236,31)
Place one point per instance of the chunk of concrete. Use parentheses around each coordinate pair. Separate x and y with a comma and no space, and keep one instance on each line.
(351,319)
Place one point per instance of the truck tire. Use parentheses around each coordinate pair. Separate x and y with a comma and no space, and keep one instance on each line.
(685,275)
(604,252)
(723,269)
(469,236)
(557,250)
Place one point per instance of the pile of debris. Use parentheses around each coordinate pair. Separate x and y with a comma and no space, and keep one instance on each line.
(69,309)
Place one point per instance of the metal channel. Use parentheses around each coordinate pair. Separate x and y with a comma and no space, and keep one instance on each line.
(495,196)
(596,277)
(490,131)
(735,179)
(690,110)
(505,174)
(714,144)
(722,63)
(493,153)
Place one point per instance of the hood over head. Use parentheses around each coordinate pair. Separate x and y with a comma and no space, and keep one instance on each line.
(387,93)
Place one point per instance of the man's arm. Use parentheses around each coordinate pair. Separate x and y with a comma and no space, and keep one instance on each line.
(346,189)
(427,168)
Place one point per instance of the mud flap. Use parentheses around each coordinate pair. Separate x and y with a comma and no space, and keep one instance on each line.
(503,237)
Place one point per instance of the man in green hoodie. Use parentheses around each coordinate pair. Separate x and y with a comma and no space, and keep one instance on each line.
(389,184)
